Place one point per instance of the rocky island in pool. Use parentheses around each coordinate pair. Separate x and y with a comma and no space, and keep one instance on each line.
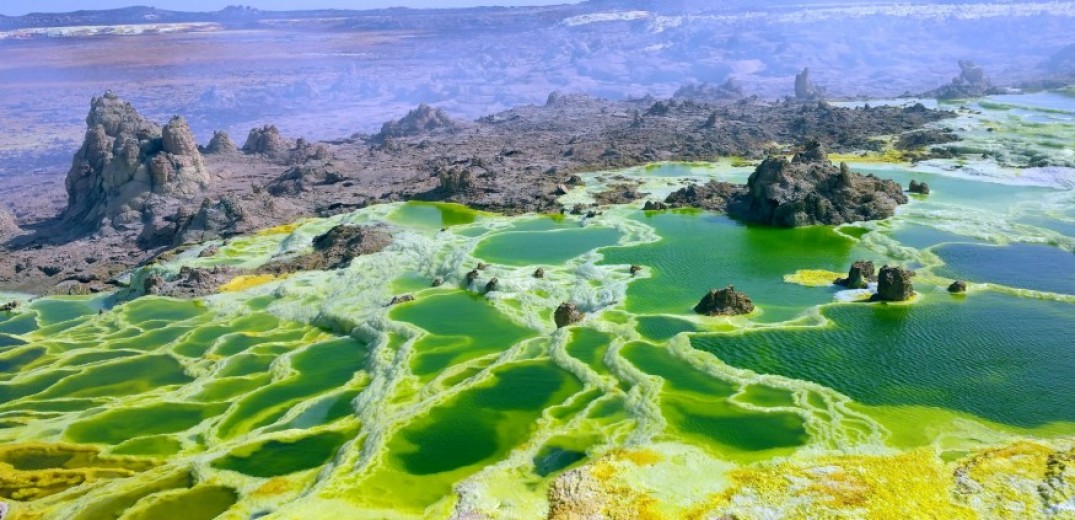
(709,306)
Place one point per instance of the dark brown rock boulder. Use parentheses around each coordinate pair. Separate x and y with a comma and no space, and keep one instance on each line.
(635,269)
(712,196)
(860,274)
(958,287)
(335,249)
(567,314)
(920,188)
(9,306)
(472,275)
(493,285)
(539,273)
(724,302)
(403,298)
(894,284)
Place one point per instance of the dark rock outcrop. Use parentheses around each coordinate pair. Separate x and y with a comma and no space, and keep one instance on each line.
(970,83)
(190,282)
(958,287)
(539,273)
(622,193)
(302,178)
(567,314)
(493,285)
(126,159)
(9,306)
(920,188)
(335,249)
(859,276)
(808,190)
(403,298)
(724,302)
(712,196)
(805,90)
(635,269)
(418,121)
(894,284)
(923,138)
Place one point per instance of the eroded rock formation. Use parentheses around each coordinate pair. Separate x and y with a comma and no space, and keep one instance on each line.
(126,160)
(958,287)
(567,314)
(418,121)
(859,276)
(894,284)
(8,226)
(267,141)
(970,83)
(221,143)
(724,302)
(920,188)
(805,90)
(808,190)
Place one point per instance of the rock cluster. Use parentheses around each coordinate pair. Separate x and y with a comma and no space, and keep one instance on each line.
(958,287)
(724,302)
(808,190)
(567,314)
(920,188)
(266,141)
(418,121)
(334,249)
(191,282)
(894,284)
(126,159)
(970,83)
(859,276)
(726,92)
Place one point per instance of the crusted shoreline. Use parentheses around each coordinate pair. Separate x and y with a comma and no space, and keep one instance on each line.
(137,188)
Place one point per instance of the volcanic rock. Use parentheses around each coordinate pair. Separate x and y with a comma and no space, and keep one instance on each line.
(635,269)
(421,120)
(152,284)
(894,285)
(860,274)
(619,194)
(724,302)
(9,306)
(540,273)
(335,249)
(125,159)
(567,314)
(493,285)
(805,90)
(970,83)
(712,196)
(302,178)
(403,298)
(958,287)
(221,143)
(920,188)
(266,141)
(654,206)
(472,275)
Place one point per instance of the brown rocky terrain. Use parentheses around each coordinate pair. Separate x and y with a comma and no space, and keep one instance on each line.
(136,189)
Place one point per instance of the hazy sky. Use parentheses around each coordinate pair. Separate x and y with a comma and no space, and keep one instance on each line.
(17,7)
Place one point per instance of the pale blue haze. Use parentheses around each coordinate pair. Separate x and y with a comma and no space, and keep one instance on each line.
(20,7)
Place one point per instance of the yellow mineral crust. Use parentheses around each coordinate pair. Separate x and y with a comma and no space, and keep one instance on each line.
(1021,480)
(35,470)
(247,281)
(812,277)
